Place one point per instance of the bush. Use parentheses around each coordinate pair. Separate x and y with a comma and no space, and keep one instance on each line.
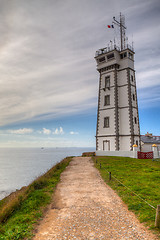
(88,154)
(39,184)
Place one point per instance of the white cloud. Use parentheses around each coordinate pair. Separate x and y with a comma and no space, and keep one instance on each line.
(46,131)
(148,78)
(61,130)
(20,131)
(58,131)
(73,133)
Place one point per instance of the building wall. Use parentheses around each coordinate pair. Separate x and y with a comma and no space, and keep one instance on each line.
(103,93)
(126,62)
(148,147)
(130,154)
(125,143)
(124,127)
(106,131)
(101,143)
(103,75)
(123,96)
(122,77)
(136,125)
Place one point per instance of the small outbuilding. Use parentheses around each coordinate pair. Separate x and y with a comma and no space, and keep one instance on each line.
(148,140)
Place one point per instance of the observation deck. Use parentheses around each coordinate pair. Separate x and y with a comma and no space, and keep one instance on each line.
(111,48)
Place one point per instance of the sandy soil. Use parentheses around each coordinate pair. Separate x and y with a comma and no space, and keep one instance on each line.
(84,207)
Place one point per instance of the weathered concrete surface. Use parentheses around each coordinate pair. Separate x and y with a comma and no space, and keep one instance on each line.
(84,207)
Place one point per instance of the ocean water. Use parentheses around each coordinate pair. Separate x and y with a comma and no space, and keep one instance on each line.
(20,166)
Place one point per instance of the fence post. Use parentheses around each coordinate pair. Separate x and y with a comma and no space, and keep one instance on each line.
(100,165)
(110,176)
(157,221)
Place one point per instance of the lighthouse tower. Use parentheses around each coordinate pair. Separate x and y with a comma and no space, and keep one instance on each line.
(117,117)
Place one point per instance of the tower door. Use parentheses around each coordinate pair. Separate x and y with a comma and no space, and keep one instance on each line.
(106,145)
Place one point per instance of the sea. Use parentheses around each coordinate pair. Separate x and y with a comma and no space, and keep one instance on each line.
(20,166)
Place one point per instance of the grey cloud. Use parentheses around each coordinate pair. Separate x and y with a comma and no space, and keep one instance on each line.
(47,66)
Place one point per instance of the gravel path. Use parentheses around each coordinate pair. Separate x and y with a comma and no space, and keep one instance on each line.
(84,207)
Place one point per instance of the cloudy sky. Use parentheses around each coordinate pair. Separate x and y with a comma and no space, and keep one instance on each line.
(48,77)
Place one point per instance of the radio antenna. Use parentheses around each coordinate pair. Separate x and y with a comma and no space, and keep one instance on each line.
(121,25)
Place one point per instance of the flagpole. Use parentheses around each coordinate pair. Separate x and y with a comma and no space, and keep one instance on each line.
(121,37)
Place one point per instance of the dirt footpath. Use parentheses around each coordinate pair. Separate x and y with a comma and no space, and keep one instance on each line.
(84,207)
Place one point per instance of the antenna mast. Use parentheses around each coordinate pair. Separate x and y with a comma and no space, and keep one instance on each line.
(121,25)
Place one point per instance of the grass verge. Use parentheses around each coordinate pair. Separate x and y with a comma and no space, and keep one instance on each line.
(21,210)
(141,176)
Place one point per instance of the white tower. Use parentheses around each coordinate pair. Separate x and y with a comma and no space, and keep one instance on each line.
(117,117)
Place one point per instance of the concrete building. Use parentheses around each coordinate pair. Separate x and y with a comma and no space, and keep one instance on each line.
(117,117)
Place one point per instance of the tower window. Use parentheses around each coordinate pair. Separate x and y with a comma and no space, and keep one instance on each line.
(102,59)
(135,120)
(131,78)
(137,142)
(130,55)
(123,55)
(109,56)
(133,97)
(107,100)
(107,82)
(106,122)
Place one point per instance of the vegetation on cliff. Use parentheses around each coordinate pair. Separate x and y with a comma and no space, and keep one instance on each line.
(20,211)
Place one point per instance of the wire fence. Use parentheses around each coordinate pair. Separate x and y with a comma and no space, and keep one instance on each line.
(157,217)
(134,192)
(111,175)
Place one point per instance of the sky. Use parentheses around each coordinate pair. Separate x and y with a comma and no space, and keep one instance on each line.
(48,76)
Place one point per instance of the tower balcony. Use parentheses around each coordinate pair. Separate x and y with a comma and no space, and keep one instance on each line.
(111,48)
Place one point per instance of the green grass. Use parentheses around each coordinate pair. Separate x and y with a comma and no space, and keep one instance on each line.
(21,211)
(141,176)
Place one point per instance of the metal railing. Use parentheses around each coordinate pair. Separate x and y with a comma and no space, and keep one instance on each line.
(111,48)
